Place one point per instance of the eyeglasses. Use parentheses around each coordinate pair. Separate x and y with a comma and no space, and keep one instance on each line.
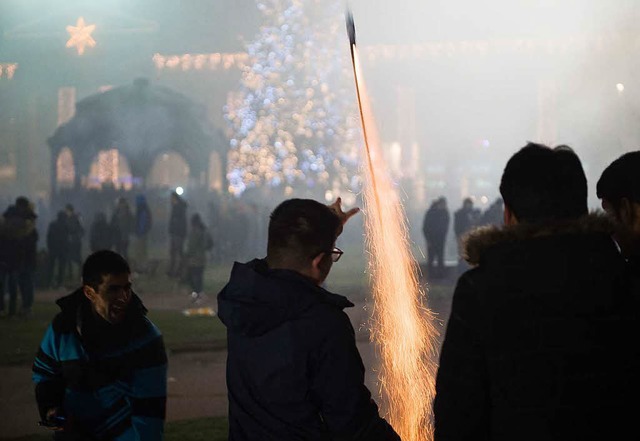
(336,254)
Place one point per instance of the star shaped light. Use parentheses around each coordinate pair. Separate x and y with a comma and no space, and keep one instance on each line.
(81,36)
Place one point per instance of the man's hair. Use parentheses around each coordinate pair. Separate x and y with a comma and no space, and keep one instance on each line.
(542,184)
(621,179)
(102,263)
(300,229)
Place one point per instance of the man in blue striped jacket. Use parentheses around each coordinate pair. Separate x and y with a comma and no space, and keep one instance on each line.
(101,368)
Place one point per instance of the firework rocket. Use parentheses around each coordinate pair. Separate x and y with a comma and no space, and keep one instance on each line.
(351,32)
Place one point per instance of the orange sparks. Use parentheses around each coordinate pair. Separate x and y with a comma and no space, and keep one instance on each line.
(402,328)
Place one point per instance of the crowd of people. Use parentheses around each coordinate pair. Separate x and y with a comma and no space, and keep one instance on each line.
(436,225)
(540,344)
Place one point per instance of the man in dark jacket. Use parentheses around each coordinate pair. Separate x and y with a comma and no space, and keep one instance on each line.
(541,344)
(293,369)
(21,242)
(434,228)
(100,372)
(177,234)
(75,232)
(464,220)
(619,189)
(58,248)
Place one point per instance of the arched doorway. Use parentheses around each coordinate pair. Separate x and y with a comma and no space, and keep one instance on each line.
(169,170)
(111,168)
(65,169)
(216,172)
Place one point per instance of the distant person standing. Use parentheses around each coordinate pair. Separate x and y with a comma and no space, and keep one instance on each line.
(199,243)
(100,233)
(22,239)
(76,232)
(141,230)
(494,215)
(177,234)
(464,220)
(434,228)
(57,247)
(122,226)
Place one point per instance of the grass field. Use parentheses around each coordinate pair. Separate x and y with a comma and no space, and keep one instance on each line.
(203,429)
(19,338)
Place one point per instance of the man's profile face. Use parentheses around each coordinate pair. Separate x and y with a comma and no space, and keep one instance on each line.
(111,299)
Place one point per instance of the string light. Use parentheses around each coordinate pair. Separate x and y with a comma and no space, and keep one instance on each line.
(8,70)
(213,61)
(293,119)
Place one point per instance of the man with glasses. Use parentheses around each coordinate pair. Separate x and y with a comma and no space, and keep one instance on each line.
(293,368)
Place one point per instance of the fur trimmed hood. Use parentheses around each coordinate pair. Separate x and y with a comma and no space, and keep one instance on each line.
(480,240)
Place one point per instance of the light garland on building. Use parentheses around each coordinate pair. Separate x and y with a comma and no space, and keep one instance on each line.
(294,118)
(213,61)
(8,70)
(431,50)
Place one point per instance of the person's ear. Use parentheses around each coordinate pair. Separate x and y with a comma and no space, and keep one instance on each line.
(509,216)
(317,261)
(89,292)
(626,212)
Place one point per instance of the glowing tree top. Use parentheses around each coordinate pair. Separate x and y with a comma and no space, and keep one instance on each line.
(293,120)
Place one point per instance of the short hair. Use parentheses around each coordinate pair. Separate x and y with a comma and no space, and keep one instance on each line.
(22,202)
(542,184)
(100,264)
(301,229)
(621,179)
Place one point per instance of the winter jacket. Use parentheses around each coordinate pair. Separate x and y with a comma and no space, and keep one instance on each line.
(293,369)
(178,219)
(541,343)
(143,217)
(58,238)
(20,239)
(199,239)
(110,380)
(436,224)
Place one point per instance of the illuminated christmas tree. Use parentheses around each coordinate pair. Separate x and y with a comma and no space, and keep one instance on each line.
(294,118)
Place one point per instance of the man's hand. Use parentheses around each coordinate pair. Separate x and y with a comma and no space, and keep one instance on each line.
(336,207)
(55,418)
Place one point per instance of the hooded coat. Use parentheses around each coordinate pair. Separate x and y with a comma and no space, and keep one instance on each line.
(109,380)
(541,343)
(293,369)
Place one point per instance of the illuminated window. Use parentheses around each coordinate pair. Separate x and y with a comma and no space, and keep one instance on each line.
(65,169)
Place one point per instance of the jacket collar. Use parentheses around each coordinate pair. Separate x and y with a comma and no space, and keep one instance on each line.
(481,240)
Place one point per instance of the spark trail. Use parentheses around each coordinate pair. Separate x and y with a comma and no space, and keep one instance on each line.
(402,328)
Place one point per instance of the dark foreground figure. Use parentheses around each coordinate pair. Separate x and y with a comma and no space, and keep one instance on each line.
(293,368)
(100,372)
(542,339)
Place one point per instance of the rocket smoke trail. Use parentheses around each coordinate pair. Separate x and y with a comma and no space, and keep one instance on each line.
(402,329)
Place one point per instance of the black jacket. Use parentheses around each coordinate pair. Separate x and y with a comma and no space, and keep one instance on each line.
(178,219)
(436,224)
(293,369)
(542,341)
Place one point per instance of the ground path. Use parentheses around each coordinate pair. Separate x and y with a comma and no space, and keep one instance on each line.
(196,379)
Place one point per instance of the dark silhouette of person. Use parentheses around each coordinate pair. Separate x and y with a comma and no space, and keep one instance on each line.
(142,227)
(100,233)
(21,242)
(199,243)
(58,248)
(122,226)
(464,220)
(177,234)
(293,369)
(541,343)
(101,368)
(435,227)
(619,189)
(494,215)
(75,234)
